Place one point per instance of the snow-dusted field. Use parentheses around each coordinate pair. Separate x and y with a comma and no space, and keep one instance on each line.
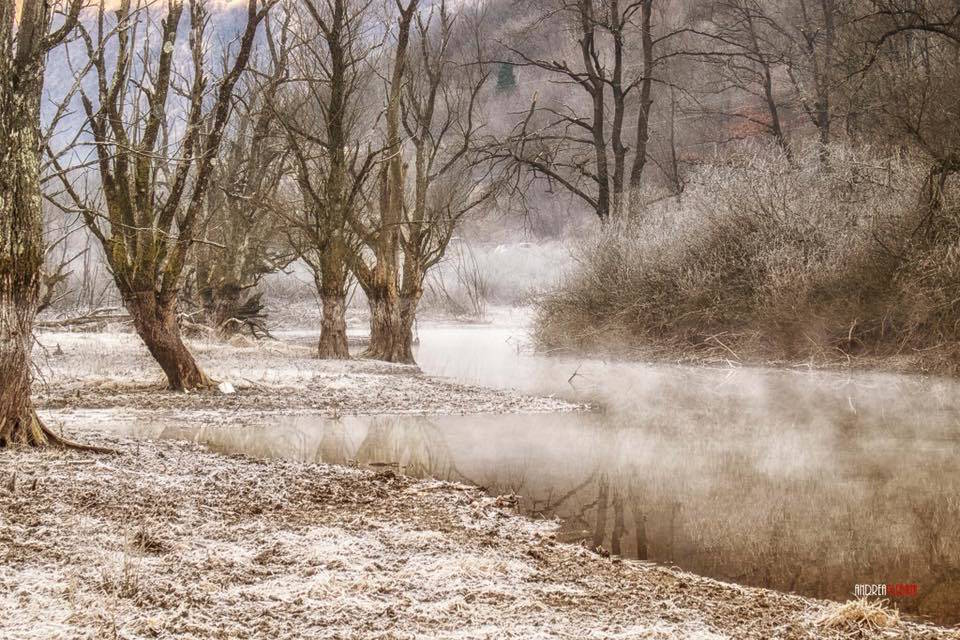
(167,540)
(114,370)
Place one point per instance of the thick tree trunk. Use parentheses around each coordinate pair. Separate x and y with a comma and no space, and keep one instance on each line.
(332,285)
(387,337)
(333,329)
(18,422)
(380,283)
(21,250)
(228,309)
(156,324)
(223,308)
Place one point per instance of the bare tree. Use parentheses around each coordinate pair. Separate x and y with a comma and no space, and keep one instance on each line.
(429,179)
(242,238)
(441,117)
(580,139)
(747,60)
(25,40)
(382,233)
(155,171)
(813,75)
(911,74)
(322,112)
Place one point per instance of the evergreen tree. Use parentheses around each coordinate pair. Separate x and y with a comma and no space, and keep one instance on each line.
(506,80)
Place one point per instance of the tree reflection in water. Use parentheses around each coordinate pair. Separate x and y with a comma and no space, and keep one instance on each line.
(811,498)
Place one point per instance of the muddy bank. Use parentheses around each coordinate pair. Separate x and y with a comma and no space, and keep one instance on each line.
(167,540)
(114,370)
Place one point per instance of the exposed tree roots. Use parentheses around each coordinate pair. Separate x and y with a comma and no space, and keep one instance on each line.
(30,431)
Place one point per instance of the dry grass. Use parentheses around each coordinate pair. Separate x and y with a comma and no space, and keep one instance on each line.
(767,260)
(860,617)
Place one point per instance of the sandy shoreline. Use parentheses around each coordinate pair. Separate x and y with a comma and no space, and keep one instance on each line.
(168,540)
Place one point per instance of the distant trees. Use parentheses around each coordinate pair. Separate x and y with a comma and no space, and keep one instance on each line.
(747,58)
(911,77)
(580,140)
(851,226)
(154,169)
(26,38)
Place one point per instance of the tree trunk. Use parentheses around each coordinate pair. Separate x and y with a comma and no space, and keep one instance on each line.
(381,285)
(646,102)
(408,316)
(387,338)
(411,292)
(333,328)
(156,324)
(223,308)
(24,45)
(21,251)
(332,285)
(18,422)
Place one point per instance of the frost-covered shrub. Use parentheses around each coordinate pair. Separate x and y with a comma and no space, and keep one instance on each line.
(767,258)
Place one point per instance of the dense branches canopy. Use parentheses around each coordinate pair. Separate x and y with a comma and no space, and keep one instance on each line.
(156,122)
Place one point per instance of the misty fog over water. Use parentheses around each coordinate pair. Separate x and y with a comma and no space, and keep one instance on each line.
(802,481)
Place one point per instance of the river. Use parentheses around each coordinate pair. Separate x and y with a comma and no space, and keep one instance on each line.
(802,481)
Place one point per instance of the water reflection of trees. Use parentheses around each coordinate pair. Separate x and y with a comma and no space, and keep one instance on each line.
(813,513)
(413,444)
(790,534)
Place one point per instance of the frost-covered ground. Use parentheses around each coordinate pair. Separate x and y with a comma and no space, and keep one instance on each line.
(167,540)
(114,370)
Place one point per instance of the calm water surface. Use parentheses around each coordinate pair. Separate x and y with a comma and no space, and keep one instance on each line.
(798,481)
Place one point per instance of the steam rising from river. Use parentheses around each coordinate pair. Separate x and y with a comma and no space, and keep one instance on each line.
(796,480)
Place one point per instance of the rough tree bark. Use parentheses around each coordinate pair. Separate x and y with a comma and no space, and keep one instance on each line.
(24,45)
(155,321)
(21,257)
(331,281)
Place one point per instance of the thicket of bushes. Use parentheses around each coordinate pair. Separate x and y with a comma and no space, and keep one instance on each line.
(765,259)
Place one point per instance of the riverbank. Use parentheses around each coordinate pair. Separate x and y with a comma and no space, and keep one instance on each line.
(113,370)
(168,540)
(747,350)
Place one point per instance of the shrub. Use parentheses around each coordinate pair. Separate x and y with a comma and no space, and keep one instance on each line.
(767,259)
